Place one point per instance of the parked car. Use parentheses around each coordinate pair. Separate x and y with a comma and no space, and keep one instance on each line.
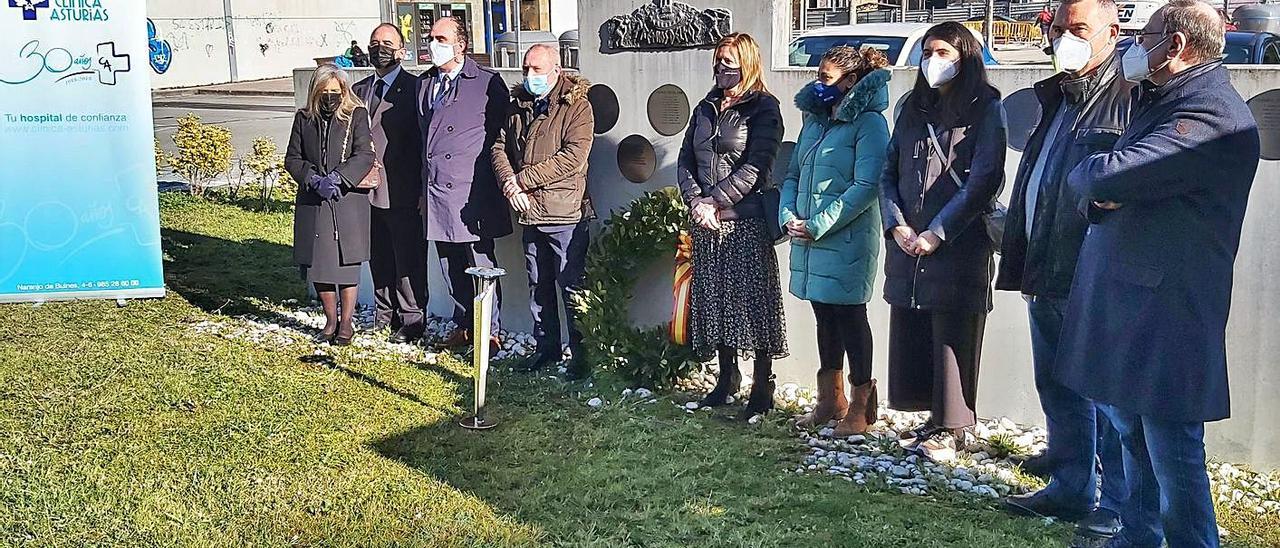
(900,42)
(1242,48)
(1134,14)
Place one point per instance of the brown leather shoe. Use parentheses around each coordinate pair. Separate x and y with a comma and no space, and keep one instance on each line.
(831,400)
(863,411)
(458,338)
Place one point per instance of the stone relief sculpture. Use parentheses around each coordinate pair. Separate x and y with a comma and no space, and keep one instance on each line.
(665,25)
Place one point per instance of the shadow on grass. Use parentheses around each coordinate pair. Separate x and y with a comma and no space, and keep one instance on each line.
(331,363)
(445,373)
(632,473)
(254,204)
(228,276)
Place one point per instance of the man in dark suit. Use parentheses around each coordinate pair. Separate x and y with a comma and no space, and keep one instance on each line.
(1085,108)
(397,262)
(1145,329)
(461,107)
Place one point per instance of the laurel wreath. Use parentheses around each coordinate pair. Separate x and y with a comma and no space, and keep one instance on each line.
(632,239)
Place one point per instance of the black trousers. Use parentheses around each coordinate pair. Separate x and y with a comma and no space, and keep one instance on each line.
(933,363)
(843,330)
(455,259)
(556,259)
(398,267)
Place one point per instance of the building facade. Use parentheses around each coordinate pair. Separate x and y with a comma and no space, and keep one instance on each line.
(198,42)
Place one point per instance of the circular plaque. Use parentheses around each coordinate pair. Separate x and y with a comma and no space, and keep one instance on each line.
(637,159)
(1266,110)
(1023,112)
(668,110)
(604,103)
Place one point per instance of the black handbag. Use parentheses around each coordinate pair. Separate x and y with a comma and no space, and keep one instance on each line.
(772,198)
(993,217)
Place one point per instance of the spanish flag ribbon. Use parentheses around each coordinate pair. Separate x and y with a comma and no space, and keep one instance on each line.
(680,292)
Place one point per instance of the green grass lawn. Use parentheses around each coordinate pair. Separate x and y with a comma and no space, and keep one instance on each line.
(124,426)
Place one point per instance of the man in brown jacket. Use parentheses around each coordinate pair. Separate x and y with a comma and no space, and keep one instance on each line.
(540,158)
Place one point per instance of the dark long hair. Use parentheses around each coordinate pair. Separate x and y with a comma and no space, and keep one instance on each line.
(968,87)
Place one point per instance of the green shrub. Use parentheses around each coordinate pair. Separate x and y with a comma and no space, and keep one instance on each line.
(204,152)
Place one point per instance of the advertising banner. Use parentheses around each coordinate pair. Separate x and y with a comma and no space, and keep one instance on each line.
(78,211)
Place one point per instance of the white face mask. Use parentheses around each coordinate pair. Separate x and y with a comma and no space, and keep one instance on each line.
(441,53)
(1135,64)
(1071,53)
(938,71)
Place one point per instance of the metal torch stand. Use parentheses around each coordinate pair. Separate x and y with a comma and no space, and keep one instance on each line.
(487,279)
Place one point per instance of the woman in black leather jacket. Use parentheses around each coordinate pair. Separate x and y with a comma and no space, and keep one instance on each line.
(725,167)
(945,165)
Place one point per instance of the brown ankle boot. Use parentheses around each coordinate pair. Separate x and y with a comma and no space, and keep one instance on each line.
(831,401)
(863,411)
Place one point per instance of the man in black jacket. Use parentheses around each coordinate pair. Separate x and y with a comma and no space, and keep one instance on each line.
(397,263)
(1084,109)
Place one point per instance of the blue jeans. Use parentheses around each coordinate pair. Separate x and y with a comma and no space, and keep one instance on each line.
(1164,463)
(1080,436)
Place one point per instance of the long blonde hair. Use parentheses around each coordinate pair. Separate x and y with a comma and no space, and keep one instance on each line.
(748,60)
(323,74)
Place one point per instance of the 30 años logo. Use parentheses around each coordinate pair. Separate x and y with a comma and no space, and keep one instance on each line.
(32,62)
(62,10)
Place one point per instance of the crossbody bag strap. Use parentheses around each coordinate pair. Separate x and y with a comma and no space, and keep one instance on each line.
(942,157)
(346,138)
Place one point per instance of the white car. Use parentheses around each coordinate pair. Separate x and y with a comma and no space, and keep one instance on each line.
(900,42)
(1134,14)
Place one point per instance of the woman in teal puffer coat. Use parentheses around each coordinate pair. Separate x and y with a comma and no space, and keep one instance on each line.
(830,206)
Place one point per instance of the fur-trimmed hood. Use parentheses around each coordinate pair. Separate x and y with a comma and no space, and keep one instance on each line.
(571,88)
(870,94)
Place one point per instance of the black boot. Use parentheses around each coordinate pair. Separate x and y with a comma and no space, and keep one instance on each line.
(578,368)
(535,363)
(762,387)
(727,383)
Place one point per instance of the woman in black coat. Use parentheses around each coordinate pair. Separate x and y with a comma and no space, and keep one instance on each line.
(725,167)
(938,263)
(330,152)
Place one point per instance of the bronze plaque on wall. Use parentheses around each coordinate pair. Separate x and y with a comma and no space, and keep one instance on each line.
(604,103)
(1266,110)
(668,109)
(636,159)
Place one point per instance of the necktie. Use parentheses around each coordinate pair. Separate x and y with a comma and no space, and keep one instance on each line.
(379,89)
(442,92)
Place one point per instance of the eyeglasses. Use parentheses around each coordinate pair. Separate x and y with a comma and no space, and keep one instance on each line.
(1141,36)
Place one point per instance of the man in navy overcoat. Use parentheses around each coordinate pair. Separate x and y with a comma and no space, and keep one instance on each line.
(1145,328)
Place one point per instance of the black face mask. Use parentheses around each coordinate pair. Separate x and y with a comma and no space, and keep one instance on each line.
(329,103)
(727,78)
(382,57)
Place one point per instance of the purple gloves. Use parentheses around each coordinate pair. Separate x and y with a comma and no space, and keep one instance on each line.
(327,187)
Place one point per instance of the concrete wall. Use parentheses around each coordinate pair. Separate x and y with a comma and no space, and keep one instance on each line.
(271,37)
(1006,386)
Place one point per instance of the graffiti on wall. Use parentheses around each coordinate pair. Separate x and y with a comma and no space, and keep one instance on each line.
(276,34)
(185,35)
(159,52)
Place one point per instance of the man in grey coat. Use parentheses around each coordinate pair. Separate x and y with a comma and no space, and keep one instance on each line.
(461,108)
(1145,327)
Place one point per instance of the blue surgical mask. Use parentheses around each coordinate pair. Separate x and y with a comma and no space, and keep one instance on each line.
(827,95)
(537,84)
